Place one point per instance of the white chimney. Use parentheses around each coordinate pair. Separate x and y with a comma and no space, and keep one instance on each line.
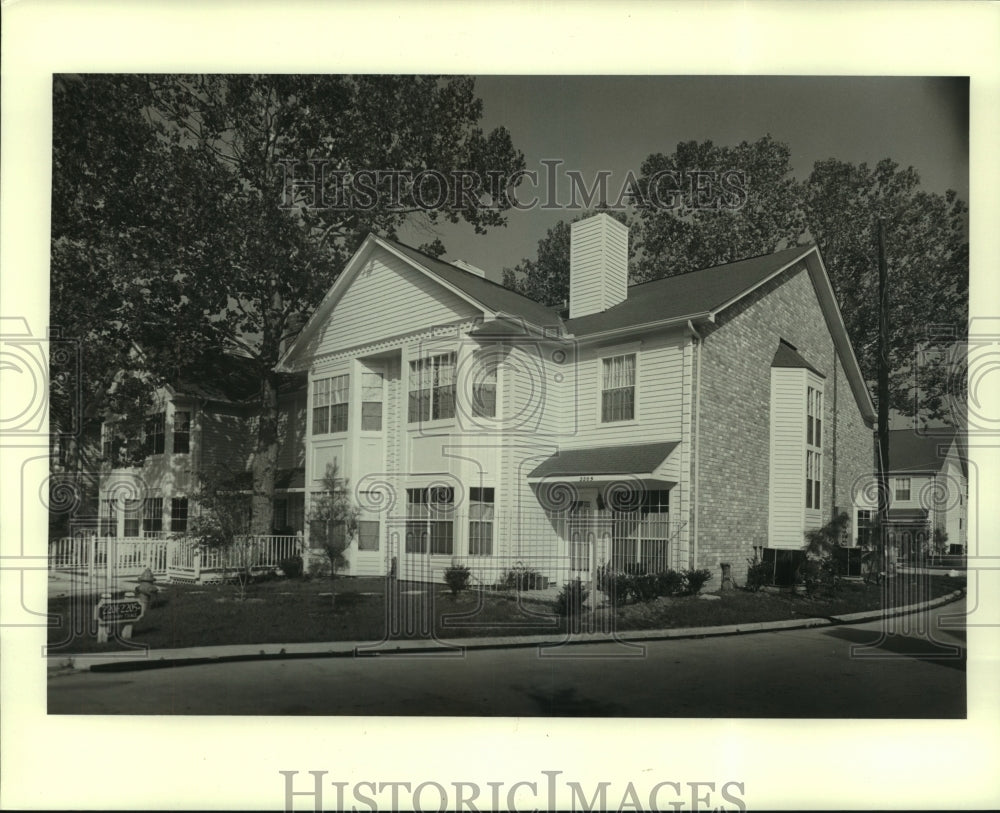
(598,265)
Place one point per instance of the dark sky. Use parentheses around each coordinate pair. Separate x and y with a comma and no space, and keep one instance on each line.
(612,123)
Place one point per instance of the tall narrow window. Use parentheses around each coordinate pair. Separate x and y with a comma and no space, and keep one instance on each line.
(182,432)
(371,401)
(432,388)
(368,534)
(179,515)
(152,518)
(133,516)
(814,446)
(484,387)
(618,389)
(330,398)
(155,433)
(480,521)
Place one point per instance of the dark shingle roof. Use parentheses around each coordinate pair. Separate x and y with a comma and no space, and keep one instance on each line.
(788,356)
(686,295)
(489,293)
(909,451)
(635,459)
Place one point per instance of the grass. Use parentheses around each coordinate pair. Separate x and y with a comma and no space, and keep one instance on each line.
(300,610)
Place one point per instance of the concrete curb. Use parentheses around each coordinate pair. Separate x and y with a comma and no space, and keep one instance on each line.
(235,653)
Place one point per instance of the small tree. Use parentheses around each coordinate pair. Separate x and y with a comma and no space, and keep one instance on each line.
(333,522)
(224,510)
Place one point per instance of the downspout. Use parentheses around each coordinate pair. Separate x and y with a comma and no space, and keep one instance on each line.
(697,339)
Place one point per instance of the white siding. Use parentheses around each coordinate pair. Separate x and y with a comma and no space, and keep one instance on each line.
(786,487)
(388,298)
(598,265)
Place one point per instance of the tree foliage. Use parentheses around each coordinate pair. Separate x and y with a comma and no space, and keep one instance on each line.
(175,203)
(333,520)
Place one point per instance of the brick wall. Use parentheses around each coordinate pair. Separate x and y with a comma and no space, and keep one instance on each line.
(733,450)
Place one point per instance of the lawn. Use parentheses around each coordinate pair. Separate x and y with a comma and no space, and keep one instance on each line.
(370,609)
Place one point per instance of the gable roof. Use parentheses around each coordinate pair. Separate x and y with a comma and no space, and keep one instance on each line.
(787,356)
(909,451)
(686,296)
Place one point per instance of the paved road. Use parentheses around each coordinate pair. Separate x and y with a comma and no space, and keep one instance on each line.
(912,672)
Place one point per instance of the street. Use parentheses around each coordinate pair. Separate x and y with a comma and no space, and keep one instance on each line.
(916,671)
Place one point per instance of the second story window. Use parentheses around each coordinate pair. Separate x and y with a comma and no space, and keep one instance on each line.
(618,388)
(182,432)
(330,397)
(902,488)
(371,401)
(484,388)
(814,446)
(156,433)
(432,388)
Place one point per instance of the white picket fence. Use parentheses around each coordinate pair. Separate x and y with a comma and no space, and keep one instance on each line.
(172,558)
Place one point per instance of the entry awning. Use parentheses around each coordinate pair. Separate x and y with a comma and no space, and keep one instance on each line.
(918,515)
(605,462)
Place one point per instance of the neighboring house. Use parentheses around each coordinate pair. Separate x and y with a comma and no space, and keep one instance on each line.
(928,494)
(197,429)
(686,422)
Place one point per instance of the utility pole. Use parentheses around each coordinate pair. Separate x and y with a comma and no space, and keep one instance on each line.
(882,522)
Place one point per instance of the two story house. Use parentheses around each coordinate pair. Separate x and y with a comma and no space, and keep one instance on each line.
(687,422)
(200,428)
(928,494)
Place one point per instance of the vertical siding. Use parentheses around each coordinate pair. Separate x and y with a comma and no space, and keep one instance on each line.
(786,481)
(598,265)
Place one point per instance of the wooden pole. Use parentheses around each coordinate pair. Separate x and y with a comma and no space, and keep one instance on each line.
(883,398)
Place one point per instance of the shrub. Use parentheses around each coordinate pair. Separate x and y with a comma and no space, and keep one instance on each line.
(520,577)
(292,566)
(669,583)
(758,574)
(571,599)
(694,580)
(457,578)
(644,587)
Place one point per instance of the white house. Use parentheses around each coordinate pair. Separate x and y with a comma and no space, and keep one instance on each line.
(684,422)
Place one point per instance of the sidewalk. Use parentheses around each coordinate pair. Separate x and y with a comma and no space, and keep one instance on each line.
(141,659)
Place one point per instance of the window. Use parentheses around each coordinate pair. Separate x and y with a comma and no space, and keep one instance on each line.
(814,446)
(484,387)
(865,520)
(368,534)
(182,432)
(279,516)
(330,397)
(371,402)
(432,388)
(179,515)
(618,389)
(902,488)
(109,520)
(579,535)
(152,517)
(155,433)
(133,514)
(429,521)
(654,501)
(480,521)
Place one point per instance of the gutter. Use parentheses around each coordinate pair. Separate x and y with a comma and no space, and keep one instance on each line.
(677,321)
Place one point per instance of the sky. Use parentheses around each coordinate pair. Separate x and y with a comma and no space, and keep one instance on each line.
(613,123)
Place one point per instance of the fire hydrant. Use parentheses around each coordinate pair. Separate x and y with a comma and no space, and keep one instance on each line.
(146,588)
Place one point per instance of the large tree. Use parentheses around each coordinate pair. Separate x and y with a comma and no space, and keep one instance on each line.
(234,250)
(705,204)
(927,257)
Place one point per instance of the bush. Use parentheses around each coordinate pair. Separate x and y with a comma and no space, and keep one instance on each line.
(694,580)
(644,587)
(669,583)
(520,577)
(292,566)
(457,578)
(571,599)
(758,574)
